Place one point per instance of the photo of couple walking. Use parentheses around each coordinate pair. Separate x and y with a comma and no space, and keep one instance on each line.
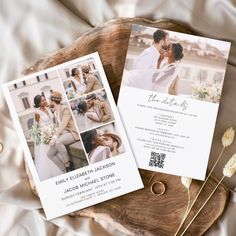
(52,131)
(176,64)
(80,79)
(102,143)
(92,110)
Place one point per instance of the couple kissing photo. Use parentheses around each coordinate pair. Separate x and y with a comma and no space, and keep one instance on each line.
(102,143)
(173,63)
(91,110)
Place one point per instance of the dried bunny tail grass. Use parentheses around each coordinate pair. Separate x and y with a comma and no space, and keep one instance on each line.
(197,213)
(228,137)
(228,171)
(186,181)
(230,167)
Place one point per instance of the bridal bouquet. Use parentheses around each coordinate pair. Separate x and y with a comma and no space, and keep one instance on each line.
(70,93)
(47,133)
(42,134)
(207,92)
(35,133)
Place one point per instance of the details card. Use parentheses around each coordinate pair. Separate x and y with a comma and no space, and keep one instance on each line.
(72,136)
(169,98)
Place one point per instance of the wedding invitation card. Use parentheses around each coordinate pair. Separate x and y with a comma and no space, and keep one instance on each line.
(169,99)
(72,136)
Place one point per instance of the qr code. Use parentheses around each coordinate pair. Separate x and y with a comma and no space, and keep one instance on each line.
(157,159)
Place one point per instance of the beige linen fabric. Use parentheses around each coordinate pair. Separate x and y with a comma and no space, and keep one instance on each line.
(29,30)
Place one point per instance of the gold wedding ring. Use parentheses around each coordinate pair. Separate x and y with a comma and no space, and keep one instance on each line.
(158,188)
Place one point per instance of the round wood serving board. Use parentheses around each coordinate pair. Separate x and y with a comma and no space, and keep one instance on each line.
(140,212)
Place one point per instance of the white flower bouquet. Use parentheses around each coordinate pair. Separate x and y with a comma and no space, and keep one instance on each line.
(35,133)
(207,92)
(70,93)
(47,133)
(42,134)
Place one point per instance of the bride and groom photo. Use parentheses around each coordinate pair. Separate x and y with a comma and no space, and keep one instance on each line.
(80,79)
(91,110)
(156,67)
(174,63)
(53,131)
(102,143)
(48,126)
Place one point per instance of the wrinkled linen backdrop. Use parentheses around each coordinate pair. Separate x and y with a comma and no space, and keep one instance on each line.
(29,30)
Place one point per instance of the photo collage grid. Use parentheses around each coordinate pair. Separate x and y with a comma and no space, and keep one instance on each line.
(71,122)
(91,110)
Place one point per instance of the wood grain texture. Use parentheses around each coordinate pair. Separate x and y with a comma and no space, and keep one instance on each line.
(140,212)
(110,40)
(143,213)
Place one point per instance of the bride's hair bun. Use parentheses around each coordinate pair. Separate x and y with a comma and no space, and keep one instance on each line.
(37,100)
(73,71)
(81,107)
(177,49)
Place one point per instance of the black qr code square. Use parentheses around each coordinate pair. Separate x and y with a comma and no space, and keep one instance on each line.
(157,159)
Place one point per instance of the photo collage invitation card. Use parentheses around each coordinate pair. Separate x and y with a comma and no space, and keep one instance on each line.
(74,142)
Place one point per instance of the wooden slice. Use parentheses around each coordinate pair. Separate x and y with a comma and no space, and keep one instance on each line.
(140,212)
(143,213)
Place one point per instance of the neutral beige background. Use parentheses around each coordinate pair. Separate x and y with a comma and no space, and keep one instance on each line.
(30,29)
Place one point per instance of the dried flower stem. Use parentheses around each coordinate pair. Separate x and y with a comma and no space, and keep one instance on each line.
(200,190)
(185,214)
(202,206)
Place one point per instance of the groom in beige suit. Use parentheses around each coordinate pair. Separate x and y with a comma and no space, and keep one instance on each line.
(65,134)
(91,81)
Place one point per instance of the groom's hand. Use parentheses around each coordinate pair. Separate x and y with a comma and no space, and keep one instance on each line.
(162,54)
(53,140)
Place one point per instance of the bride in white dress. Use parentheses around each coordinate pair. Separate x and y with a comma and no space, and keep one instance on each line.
(163,80)
(77,81)
(160,79)
(46,169)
